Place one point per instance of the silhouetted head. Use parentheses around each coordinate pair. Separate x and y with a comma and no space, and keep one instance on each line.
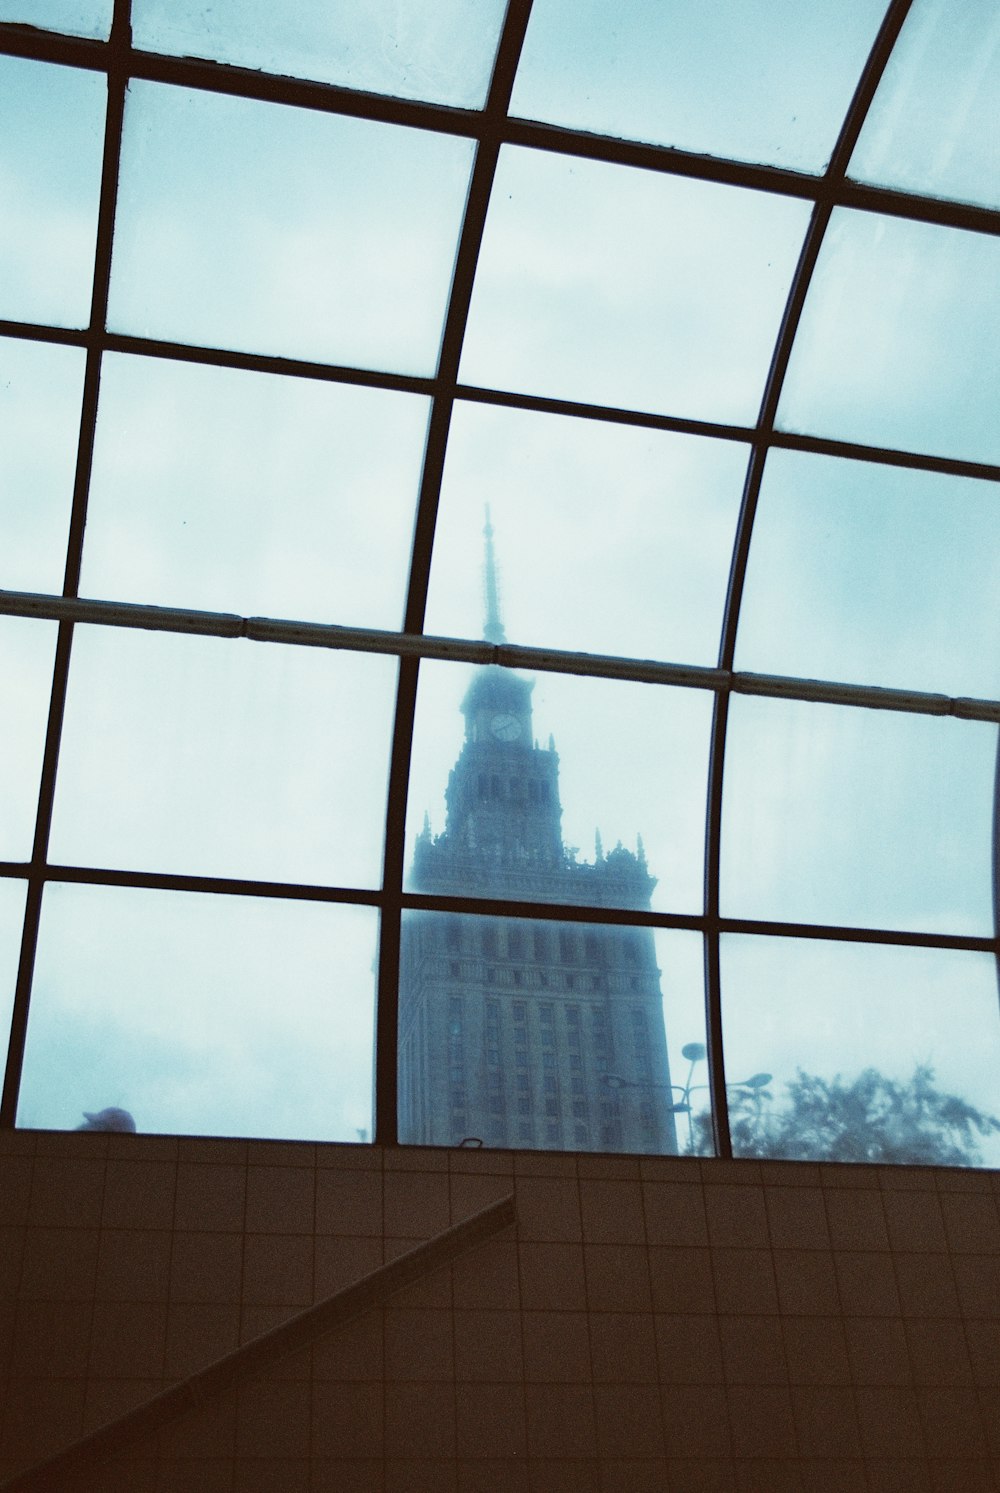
(109,1119)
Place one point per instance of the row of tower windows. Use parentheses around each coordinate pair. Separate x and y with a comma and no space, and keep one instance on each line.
(492,787)
(564,944)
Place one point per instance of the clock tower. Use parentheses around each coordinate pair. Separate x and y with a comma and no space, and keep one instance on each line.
(516,1031)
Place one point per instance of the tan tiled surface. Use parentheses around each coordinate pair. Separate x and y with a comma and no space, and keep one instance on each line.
(660,1324)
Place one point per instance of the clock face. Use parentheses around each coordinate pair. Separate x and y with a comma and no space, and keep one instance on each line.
(505,727)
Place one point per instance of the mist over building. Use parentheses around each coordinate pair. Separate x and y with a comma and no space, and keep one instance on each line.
(517,1031)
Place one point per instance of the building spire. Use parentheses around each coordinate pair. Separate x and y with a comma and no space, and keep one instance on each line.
(493,630)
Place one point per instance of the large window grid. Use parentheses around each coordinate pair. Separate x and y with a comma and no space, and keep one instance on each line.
(490,128)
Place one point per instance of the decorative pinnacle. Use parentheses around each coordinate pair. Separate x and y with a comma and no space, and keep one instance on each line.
(493,629)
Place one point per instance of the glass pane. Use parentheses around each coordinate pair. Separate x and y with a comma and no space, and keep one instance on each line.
(766,81)
(278,230)
(861,818)
(664,506)
(549,1036)
(932,125)
(51,149)
(875,575)
(12,898)
(900,339)
(875,1053)
(27,651)
(218,757)
(608,285)
(202,1015)
(615,817)
(236,491)
(91,18)
(441,50)
(41,387)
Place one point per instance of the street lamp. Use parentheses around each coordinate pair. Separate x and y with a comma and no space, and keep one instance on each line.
(695,1052)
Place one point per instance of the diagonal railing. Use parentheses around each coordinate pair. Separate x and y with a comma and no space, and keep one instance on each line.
(72,1465)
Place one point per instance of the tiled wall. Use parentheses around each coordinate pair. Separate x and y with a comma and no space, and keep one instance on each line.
(667,1325)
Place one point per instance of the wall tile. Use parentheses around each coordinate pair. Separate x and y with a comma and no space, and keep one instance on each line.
(416,1204)
(856,1218)
(421,1475)
(761,1420)
(206,1267)
(138,1194)
(210,1197)
(15,1177)
(826,1421)
(133,1265)
(347,1421)
(867,1284)
(878,1350)
(278,1269)
(628,1420)
(40,1417)
(470,1194)
(418,1344)
(623,1349)
(556,1347)
(548,1209)
(354,1352)
(419,1420)
(939,1353)
(197,1334)
(489,1276)
(560,1419)
(696,1420)
(736,1217)
(280,1200)
(796,1218)
(926,1285)
(51,1339)
(273,1419)
(816,1350)
(914,1220)
(128,1339)
(744,1281)
(688,1349)
(952,1422)
(753,1350)
(617,1278)
(675,1213)
(890,1421)
(488,1346)
(491,1420)
(348,1202)
(66,1193)
(612,1211)
(60,1265)
(341,1262)
(972,1223)
(682,1280)
(552,1277)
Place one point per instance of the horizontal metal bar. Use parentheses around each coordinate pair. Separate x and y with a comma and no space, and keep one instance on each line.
(224,78)
(493,907)
(507,655)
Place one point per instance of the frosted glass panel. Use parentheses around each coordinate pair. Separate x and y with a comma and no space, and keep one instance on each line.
(875,1053)
(91,18)
(867,818)
(51,148)
(758,80)
(551,1036)
(608,285)
(202,1015)
(41,386)
(874,575)
(440,50)
(932,125)
(641,521)
(269,229)
(223,757)
(27,650)
(899,343)
(236,491)
(12,897)
(563,790)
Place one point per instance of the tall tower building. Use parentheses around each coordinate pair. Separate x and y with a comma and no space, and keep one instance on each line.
(526,1032)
